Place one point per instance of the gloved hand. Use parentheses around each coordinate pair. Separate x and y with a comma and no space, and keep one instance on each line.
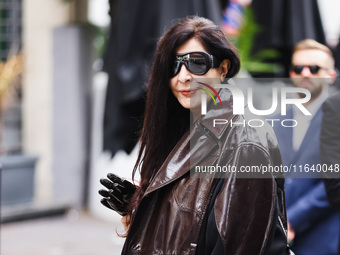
(118,195)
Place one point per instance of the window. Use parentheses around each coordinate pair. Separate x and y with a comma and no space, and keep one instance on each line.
(10,27)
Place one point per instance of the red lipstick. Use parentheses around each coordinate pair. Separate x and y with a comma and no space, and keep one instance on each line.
(188,92)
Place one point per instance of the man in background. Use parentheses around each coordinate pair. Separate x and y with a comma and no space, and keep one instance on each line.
(313,225)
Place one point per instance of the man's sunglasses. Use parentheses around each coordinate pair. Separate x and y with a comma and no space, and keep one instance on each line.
(314,69)
(196,62)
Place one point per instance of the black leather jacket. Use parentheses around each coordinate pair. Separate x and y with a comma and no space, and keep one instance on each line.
(249,213)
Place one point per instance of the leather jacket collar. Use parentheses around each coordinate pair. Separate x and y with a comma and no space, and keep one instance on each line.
(184,153)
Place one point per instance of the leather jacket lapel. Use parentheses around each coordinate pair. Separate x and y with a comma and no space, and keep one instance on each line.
(189,150)
(187,153)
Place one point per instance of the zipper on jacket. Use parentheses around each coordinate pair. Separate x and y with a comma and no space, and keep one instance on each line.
(284,230)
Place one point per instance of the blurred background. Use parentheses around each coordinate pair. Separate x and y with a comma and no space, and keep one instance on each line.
(73,75)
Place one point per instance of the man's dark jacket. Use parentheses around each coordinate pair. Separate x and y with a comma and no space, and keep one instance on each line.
(330,148)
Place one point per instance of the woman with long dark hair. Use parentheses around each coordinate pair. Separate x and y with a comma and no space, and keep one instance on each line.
(177,210)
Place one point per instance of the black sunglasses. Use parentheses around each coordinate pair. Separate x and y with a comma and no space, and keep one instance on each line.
(314,69)
(196,62)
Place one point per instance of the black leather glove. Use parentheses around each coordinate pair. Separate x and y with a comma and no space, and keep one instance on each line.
(118,195)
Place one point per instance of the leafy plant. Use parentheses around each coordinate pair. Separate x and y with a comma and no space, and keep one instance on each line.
(253,63)
(10,89)
(100,38)
(10,78)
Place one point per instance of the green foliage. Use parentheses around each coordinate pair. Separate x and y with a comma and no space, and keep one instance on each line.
(254,63)
(100,38)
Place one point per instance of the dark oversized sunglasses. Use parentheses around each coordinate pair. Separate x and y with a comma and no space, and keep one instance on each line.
(196,62)
(314,69)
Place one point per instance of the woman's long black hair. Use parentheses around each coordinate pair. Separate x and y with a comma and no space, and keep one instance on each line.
(165,120)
